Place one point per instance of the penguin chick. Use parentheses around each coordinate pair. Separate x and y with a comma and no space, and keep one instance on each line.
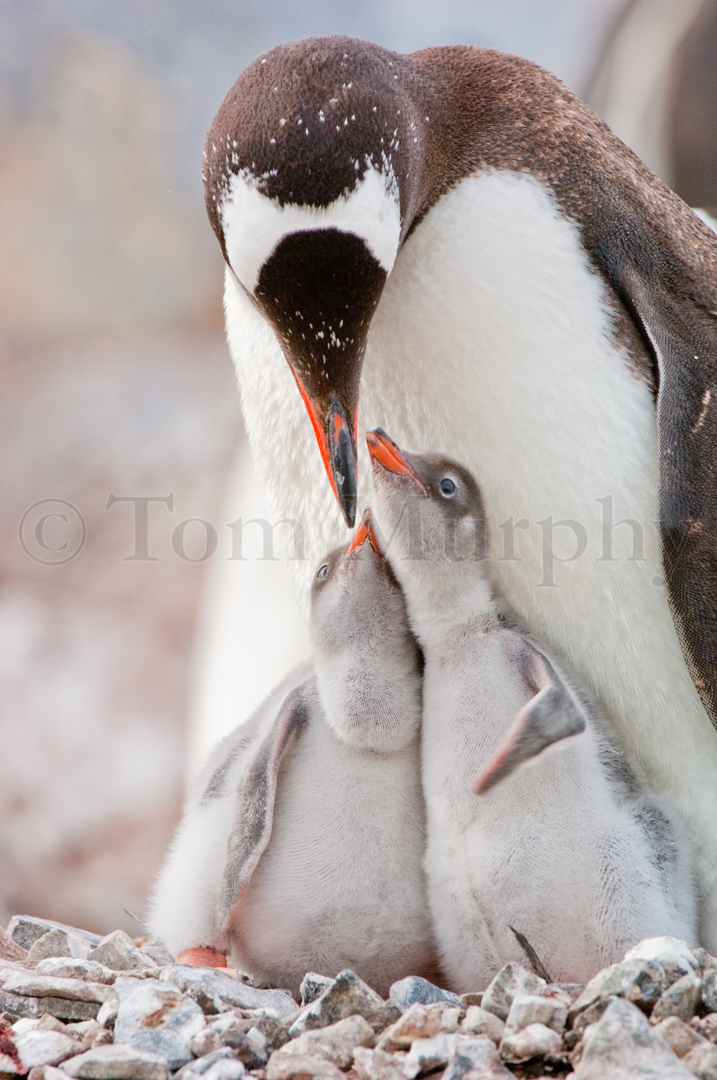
(302,846)
(573,853)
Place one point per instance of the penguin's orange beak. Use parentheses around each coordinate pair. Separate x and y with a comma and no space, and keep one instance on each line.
(385,452)
(337,442)
(365,532)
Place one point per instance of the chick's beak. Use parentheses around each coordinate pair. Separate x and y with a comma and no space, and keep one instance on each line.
(386,453)
(365,532)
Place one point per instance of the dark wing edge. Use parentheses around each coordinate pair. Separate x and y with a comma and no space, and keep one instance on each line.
(552,715)
(254,813)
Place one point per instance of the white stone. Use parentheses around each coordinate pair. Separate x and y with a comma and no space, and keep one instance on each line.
(535,1040)
(116,1063)
(674,954)
(45,1048)
(478,1021)
(336,1042)
(118,952)
(154,1016)
(426,1055)
(32,985)
(71,968)
(528,1009)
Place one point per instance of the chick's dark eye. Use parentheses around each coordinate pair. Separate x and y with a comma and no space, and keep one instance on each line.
(447,487)
(323,570)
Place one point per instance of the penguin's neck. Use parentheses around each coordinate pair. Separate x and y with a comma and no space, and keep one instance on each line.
(445,599)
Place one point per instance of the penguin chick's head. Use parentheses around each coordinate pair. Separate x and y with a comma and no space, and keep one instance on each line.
(306,169)
(366,660)
(430,508)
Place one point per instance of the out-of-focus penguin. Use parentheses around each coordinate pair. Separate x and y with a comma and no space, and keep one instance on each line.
(302,846)
(573,852)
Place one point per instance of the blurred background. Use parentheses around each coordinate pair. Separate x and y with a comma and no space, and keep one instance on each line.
(121,428)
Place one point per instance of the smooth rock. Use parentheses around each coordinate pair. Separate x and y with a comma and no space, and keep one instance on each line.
(527,1009)
(108,1014)
(535,1040)
(426,1055)
(220,1064)
(702,1061)
(510,980)
(478,1021)
(348,995)
(418,1022)
(71,968)
(118,952)
(53,943)
(202,1065)
(116,1063)
(673,954)
(25,930)
(45,1047)
(414,989)
(336,1042)
(477,1059)
(679,1036)
(216,991)
(9,949)
(29,984)
(293,1067)
(63,1008)
(623,1046)
(313,986)
(639,981)
(378,1064)
(681,999)
(155,1017)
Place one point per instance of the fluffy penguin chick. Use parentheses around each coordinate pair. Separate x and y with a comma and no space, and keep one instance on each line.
(302,846)
(573,852)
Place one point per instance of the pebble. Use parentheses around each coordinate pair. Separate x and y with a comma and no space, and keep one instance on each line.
(414,989)
(510,980)
(681,999)
(45,1047)
(378,1064)
(219,1063)
(678,1036)
(25,930)
(154,1016)
(215,991)
(118,952)
(426,1055)
(62,1007)
(347,995)
(9,949)
(116,1063)
(293,1067)
(29,984)
(478,1021)
(623,1046)
(535,1040)
(702,1061)
(107,1015)
(477,1059)
(709,990)
(639,981)
(313,986)
(674,955)
(336,1042)
(70,968)
(418,1022)
(54,943)
(527,1009)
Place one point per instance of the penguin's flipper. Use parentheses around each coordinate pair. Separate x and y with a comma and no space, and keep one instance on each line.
(254,813)
(552,715)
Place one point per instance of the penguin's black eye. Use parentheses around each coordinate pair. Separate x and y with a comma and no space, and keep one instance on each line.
(447,486)
(323,570)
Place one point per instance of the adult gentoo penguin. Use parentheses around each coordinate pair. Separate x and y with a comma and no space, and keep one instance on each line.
(455,233)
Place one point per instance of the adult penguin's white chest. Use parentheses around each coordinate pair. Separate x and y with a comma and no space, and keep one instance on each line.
(494,343)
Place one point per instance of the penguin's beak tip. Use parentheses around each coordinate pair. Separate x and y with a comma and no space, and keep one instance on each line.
(384,452)
(342,460)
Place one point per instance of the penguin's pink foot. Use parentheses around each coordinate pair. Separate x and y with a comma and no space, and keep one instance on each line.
(203,956)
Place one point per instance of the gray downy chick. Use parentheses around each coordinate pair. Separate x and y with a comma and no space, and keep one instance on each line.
(301,848)
(573,852)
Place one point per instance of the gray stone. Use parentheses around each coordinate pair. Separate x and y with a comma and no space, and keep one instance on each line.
(478,1021)
(510,980)
(154,1016)
(674,955)
(247,1050)
(535,1040)
(679,1036)
(313,986)
(336,1042)
(529,1009)
(592,1014)
(275,1033)
(681,999)
(709,990)
(293,1067)
(702,1061)
(418,1022)
(63,1008)
(378,1064)
(25,930)
(222,1059)
(108,1014)
(157,952)
(29,984)
(206,1042)
(216,991)
(116,1063)
(477,1059)
(346,996)
(704,961)
(467,1000)
(118,952)
(71,968)
(414,989)
(426,1055)
(45,1047)
(639,981)
(53,943)
(623,1046)
(46,1072)
(9,949)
